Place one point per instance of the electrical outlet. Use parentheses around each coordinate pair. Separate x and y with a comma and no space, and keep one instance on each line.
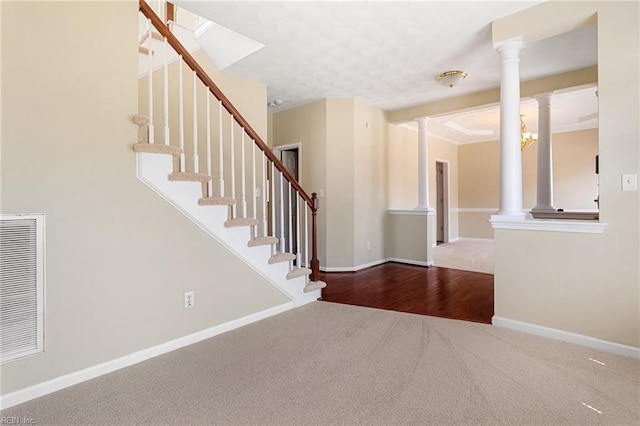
(257,192)
(188,299)
(629,182)
(368,245)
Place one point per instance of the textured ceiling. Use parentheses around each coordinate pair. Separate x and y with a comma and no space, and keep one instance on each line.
(384,53)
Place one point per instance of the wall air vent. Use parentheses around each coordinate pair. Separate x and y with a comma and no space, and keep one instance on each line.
(21,286)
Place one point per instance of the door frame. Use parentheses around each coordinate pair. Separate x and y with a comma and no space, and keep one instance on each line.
(277,150)
(445,198)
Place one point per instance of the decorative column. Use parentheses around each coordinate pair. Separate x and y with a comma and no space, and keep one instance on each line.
(544,196)
(510,154)
(423,165)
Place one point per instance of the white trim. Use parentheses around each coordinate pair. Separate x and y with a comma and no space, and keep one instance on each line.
(479,210)
(551,225)
(474,239)
(53,385)
(411,262)
(413,212)
(296,145)
(446,187)
(375,263)
(566,336)
(353,268)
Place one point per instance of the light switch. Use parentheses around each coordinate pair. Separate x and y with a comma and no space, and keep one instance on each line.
(630,182)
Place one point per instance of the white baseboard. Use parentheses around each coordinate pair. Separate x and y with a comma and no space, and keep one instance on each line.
(475,239)
(53,385)
(353,268)
(566,336)
(370,264)
(411,262)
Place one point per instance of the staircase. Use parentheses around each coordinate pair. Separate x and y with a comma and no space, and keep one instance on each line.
(216,169)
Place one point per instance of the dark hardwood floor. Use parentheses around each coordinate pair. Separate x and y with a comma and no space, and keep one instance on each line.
(439,292)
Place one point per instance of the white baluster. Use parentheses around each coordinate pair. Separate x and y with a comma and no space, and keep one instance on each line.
(290,218)
(181,114)
(272,200)
(209,172)
(150,81)
(196,160)
(243,192)
(233,168)
(282,242)
(167,135)
(253,180)
(220,150)
(264,194)
(306,234)
(298,257)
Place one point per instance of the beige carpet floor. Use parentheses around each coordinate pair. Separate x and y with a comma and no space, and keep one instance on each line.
(329,364)
(467,255)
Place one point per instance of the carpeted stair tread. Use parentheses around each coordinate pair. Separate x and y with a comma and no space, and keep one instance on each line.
(189,177)
(241,221)
(157,148)
(298,272)
(281,257)
(216,201)
(314,285)
(262,241)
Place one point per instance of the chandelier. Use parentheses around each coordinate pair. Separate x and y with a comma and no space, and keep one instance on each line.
(526,138)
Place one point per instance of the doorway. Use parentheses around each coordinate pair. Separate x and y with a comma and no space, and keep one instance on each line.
(442,201)
(289,155)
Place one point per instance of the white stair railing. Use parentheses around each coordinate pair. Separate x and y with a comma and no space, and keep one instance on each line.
(274,192)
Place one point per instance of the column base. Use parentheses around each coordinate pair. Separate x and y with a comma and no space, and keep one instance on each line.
(424,209)
(511,214)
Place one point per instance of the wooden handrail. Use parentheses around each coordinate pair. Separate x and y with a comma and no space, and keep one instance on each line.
(213,88)
(312,201)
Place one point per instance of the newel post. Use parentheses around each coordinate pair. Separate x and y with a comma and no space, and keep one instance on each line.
(315,263)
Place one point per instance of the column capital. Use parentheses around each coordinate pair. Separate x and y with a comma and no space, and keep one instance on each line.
(544,98)
(422,119)
(510,49)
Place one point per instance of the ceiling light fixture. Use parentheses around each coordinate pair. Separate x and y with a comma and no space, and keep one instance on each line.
(526,138)
(275,103)
(451,78)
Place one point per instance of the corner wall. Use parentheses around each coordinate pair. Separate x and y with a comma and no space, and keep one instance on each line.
(343,157)
(306,125)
